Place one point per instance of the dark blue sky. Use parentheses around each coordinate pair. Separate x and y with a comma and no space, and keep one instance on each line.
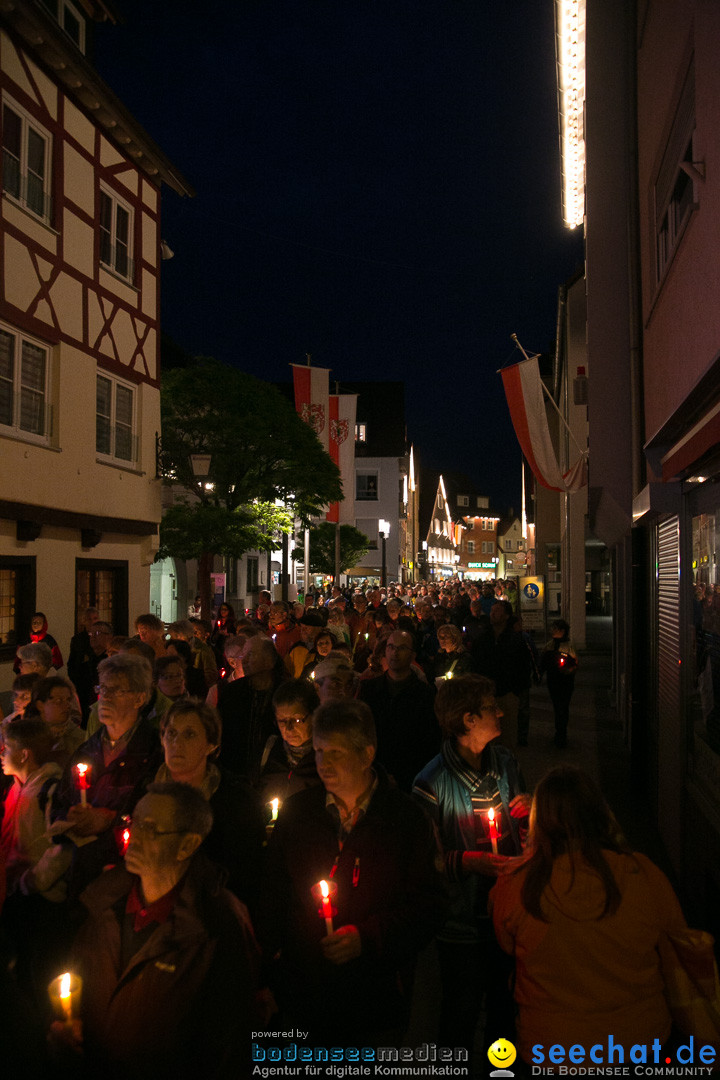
(378,184)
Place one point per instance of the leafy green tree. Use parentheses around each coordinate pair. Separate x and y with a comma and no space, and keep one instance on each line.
(261,455)
(353,545)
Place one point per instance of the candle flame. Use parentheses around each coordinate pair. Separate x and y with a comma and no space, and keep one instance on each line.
(491,815)
(82,769)
(324,889)
(275,804)
(65,985)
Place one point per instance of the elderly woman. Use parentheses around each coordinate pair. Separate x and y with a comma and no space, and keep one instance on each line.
(122,756)
(191,733)
(583,917)
(232,668)
(334,678)
(452,658)
(288,760)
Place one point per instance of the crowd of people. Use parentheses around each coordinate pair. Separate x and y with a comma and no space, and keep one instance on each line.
(257,824)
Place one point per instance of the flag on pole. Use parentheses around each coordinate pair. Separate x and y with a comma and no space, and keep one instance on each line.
(311,399)
(524,393)
(342,452)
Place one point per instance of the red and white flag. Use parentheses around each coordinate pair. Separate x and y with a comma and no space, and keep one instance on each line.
(342,451)
(524,393)
(311,399)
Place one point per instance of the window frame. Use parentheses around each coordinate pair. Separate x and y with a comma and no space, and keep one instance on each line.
(109,251)
(28,124)
(24,568)
(14,430)
(675,191)
(112,457)
(363,496)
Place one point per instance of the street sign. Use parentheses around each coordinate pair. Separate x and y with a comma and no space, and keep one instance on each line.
(532,602)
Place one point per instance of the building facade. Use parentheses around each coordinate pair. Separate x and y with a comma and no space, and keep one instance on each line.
(80,256)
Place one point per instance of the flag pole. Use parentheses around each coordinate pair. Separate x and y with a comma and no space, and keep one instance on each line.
(552,401)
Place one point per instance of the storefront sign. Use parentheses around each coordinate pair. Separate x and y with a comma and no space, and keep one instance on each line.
(532,602)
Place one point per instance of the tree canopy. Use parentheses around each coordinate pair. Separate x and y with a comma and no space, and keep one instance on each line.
(260,448)
(353,545)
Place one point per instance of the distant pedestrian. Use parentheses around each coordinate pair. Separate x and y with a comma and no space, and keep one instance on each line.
(560,661)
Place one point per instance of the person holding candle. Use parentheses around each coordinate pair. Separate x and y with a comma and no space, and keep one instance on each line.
(583,917)
(166,955)
(560,661)
(288,761)
(191,734)
(452,659)
(475,794)
(367,838)
(123,755)
(34,915)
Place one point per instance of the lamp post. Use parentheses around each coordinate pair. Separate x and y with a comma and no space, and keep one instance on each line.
(201,470)
(384,528)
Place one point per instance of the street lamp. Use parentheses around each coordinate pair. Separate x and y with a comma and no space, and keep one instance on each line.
(201,470)
(384,527)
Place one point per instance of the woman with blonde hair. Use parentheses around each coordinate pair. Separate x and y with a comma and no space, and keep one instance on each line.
(583,916)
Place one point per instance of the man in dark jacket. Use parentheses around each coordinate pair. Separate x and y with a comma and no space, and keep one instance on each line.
(167,956)
(123,756)
(378,851)
(501,655)
(402,706)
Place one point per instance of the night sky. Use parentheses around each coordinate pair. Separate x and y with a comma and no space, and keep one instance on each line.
(378,185)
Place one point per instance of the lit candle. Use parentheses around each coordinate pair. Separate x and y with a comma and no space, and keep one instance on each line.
(493,830)
(65,993)
(121,832)
(83,783)
(324,891)
(326,906)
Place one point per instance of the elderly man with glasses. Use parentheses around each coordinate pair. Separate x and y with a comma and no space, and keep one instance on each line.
(167,955)
(122,757)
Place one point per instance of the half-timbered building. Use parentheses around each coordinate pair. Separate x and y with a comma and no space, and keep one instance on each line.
(80,257)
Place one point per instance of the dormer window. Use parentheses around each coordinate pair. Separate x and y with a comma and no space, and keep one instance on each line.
(70,18)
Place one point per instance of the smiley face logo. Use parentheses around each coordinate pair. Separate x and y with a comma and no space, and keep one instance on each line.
(502,1053)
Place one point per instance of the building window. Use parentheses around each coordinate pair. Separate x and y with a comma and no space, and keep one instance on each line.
(115,420)
(24,371)
(471,547)
(115,235)
(26,160)
(675,194)
(366,487)
(17,602)
(369,527)
(361,433)
(508,545)
(102,583)
(463,500)
(252,579)
(70,19)
(469,524)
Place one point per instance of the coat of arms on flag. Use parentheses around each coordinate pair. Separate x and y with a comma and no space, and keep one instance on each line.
(314,415)
(339,430)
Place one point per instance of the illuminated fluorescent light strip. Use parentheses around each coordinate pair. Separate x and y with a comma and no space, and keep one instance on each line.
(570,32)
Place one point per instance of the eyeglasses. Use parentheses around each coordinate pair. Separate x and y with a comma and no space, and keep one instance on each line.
(291,721)
(110,692)
(150,829)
